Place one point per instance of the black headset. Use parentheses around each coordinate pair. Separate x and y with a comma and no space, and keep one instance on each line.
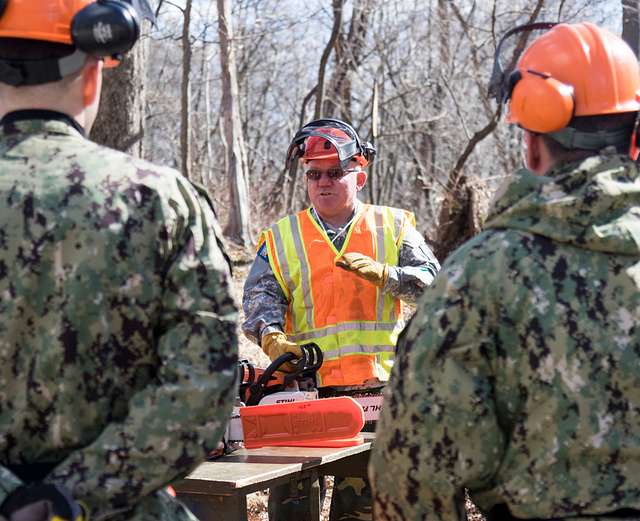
(101,29)
(502,83)
(106,28)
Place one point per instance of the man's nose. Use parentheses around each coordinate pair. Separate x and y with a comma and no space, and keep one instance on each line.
(325,180)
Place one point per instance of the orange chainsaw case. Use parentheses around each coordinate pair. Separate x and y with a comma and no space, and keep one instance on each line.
(328,422)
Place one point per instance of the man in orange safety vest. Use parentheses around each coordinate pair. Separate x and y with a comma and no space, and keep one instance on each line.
(335,274)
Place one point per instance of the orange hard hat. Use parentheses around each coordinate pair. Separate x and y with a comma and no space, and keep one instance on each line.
(53,21)
(100,28)
(49,21)
(573,70)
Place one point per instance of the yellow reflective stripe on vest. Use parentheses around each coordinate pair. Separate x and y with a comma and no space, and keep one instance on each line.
(298,283)
(344,326)
(391,242)
(359,341)
(292,289)
(346,350)
(398,219)
(380,257)
(305,271)
(281,260)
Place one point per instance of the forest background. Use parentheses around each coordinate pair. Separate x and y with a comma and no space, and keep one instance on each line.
(218,88)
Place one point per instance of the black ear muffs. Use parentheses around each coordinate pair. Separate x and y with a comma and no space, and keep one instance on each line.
(369,152)
(538,102)
(105,28)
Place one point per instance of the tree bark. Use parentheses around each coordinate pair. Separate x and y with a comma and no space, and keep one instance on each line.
(338,6)
(349,54)
(185,94)
(375,126)
(119,123)
(233,139)
(631,24)
(291,174)
(455,222)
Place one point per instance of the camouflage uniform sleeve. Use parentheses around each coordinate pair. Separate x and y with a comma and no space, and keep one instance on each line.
(438,431)
(263,301)
(174,423)
(417,267)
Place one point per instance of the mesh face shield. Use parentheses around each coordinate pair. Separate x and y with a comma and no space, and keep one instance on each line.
(343,138)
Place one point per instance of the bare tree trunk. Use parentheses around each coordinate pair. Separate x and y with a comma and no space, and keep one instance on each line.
(456,213)
(185,94)
(338,6)
(349,51)
(208,175)
(121,114)
(631,24)
(291,187)
(236,155)
(375,118)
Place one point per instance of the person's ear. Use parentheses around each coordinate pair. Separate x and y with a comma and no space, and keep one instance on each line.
(533,142)
(361,179)
(91,81)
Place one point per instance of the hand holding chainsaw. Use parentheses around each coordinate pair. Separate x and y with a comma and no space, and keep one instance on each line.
(276,344)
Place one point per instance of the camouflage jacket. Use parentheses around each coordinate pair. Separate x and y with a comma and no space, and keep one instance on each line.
(265,304)
(117,331)
(519,375)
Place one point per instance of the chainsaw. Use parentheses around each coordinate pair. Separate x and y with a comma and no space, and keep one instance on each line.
(285,409)
(268,386)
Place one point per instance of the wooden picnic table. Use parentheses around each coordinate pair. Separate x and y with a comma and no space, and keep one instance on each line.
(217,490)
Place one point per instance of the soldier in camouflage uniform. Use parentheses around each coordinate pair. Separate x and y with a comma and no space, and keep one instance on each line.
(334,176)
(518,377)
(117,329)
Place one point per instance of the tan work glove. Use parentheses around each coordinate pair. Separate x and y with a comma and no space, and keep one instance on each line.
(365,268)
(276,344)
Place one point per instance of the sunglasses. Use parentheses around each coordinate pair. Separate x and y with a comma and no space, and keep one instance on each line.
(313,174)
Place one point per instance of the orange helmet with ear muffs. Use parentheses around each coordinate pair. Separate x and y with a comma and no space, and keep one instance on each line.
(571,70)
(100,28)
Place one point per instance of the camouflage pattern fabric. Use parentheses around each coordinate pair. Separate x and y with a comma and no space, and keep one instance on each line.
(117,329)
(518,377)
(351,499)
(265,304)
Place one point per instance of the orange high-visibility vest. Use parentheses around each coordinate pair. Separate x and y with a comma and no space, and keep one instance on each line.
(354,322)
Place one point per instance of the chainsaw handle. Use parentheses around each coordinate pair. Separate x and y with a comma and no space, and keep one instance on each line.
(314,356)
(245,369)
(256,390)
(311,361)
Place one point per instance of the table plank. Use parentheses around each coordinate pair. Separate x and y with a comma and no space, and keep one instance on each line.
(250,468)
